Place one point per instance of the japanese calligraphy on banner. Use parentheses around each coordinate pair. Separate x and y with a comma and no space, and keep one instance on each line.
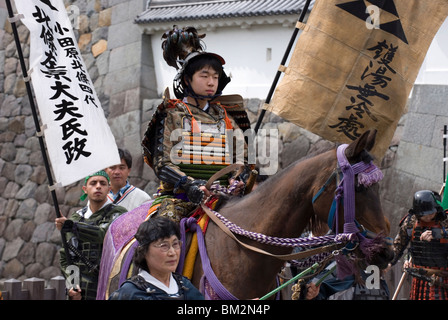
(354,66)
(78,138)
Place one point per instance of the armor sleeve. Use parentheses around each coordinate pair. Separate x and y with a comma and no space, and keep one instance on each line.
(164,168)
(95,230)
(159,141)
(403,238)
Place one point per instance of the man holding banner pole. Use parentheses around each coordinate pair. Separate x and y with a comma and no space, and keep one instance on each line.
(85,232)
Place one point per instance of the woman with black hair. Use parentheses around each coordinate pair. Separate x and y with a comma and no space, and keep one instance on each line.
(157,257)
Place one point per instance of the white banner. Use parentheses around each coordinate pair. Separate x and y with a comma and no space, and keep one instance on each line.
(78,138)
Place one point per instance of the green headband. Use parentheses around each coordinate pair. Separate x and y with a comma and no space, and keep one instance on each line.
(99,173)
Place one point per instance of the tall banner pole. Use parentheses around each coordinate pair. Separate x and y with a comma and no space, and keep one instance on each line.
(444,153)
(283,62)
(443,189)
(13,19)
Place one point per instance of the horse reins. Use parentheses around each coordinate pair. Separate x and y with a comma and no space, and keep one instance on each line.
(287,257)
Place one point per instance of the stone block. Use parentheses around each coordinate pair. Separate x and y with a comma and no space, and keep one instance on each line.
(136,7)
(84,41)
(9,84)
(421,183)
(13,269)
(122,80)
(23,173)
(22,156)
(93,21)
(125,56)
(437,135)
(12,249)
(120,13)
(13,229)
(27,208)
(42,193)
(27,230)
(116,2)
(105,17)
(132,100)
(116,104)
(99,33)
(11,190)
(8,169)
(39,175)
(42,213)
(294,151)
(394,213)
(124,125)
(429,99)
(421,161)
(102,62)
(419,128)
(19,88)
(45,253)
(43,232)
(148,81)
(148,108)
(99,47)
(11,65)
(132,143)
(83,24)
(123,33)
(11,207)
(26,254)
(27,191)
(396,187)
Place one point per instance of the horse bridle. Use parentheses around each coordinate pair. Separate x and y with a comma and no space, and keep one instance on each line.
(345,174)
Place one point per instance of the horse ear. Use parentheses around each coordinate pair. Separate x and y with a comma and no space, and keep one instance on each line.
(365,142)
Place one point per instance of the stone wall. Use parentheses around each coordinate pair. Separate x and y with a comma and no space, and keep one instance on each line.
(418,163)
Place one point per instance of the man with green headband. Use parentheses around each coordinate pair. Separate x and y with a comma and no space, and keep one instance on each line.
(84,233)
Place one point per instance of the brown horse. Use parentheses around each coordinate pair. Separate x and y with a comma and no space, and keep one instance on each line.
(283,206)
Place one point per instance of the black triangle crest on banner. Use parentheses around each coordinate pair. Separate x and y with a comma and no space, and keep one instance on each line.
(358,9)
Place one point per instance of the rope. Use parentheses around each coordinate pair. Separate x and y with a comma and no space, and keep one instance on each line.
(276,241)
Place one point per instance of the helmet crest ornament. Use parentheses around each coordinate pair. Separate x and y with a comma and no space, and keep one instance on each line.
(182,45)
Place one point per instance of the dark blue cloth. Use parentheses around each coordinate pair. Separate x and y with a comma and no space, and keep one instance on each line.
(136,288)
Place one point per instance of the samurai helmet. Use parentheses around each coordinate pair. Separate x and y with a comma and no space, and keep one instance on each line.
(180,48)
(426,202)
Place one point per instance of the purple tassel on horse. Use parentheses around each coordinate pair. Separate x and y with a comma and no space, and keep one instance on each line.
(370,176)
(345,268)
(370,247)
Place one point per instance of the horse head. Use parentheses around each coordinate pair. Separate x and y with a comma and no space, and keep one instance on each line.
(368,220)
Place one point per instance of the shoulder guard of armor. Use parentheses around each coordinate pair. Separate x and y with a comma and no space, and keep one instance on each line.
(404,219)
(153,136)
(234,106)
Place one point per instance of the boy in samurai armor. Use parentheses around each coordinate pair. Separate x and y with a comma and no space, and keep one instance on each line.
(186,141)
(425,229)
